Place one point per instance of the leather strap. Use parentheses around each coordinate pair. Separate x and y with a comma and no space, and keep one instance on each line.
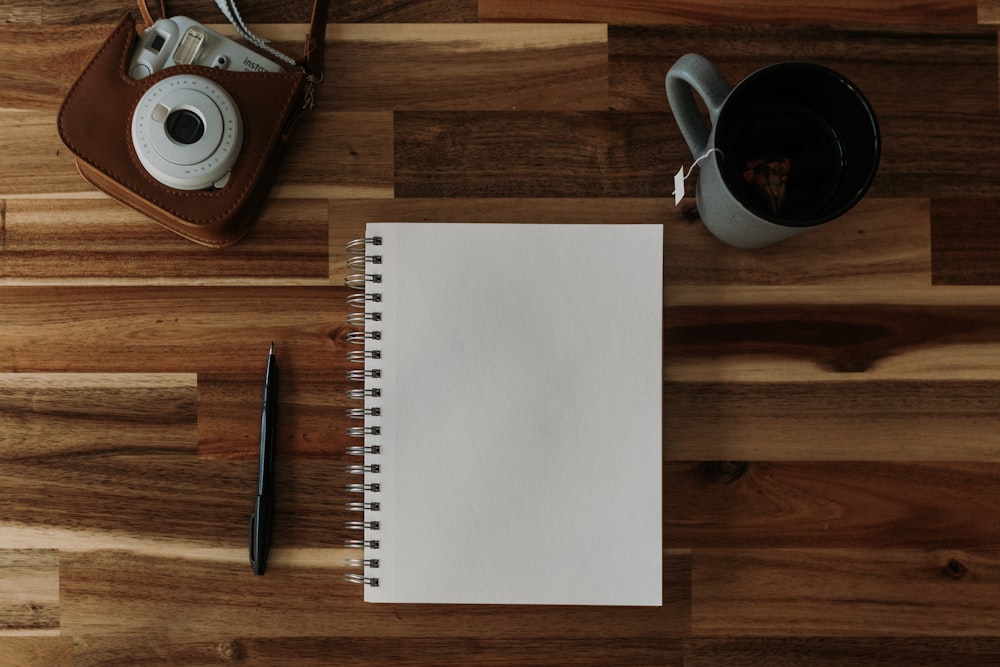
(315,47)
(144,10)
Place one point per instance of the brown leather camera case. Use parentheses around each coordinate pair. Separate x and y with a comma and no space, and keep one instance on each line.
(95,124)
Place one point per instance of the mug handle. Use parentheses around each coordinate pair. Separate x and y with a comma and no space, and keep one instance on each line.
(693,73)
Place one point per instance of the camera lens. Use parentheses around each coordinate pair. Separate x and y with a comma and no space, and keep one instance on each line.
(184,126)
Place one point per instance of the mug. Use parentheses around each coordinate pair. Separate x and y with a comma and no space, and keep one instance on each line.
(791,147)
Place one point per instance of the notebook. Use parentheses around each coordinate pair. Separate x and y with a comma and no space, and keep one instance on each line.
(511,379)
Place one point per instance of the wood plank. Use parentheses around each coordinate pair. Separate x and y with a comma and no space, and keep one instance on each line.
(99,240)
(312,423)
(531,154)
(29,590)
(467,67)
(51,651)
(48,414)
(38,162)
(780,504)
(211,330)
(280,11)
(841,651)
(695,12)
(835,338)
(377,650)
(150,499)
(828,420)
(989,12)
(881,243)
(222,601)
(844,593)
(338,154)
(965,247)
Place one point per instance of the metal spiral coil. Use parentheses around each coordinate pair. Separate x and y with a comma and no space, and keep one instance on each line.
(364,276)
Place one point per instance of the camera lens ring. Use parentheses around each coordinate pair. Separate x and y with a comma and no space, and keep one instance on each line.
(185,126)
(209,156)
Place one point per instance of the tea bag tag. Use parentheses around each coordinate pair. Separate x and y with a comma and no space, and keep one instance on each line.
(679,179)
(680,176)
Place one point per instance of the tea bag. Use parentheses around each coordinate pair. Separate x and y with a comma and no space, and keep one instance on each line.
(769,179)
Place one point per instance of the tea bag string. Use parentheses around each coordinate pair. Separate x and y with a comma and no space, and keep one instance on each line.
(680,176)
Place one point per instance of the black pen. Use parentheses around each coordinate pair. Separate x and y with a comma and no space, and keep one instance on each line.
(263,507)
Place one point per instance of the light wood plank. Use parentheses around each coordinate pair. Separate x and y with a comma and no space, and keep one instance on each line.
(844,592)
(45,414)
(102,241)
(211,330)
(29,590)
(50,651)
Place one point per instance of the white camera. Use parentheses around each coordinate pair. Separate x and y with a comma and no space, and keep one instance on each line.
(186,129)
(182,41)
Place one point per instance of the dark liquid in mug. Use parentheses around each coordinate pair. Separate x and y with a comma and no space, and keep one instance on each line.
(783,161)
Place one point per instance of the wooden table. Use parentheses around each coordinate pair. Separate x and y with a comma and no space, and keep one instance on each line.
(831,440)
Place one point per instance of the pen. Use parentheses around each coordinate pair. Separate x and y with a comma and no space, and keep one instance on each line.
(263,507)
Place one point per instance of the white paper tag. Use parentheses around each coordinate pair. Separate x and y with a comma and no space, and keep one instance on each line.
(678,186)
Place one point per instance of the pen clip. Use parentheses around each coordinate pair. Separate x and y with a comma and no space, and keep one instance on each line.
(253,542)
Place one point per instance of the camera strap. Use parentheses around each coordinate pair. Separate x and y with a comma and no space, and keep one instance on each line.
(312,60)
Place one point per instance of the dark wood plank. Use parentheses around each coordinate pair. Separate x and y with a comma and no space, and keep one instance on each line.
(844,593)
(281,11)
(693,11)
(467,67)
(966,249)
(841,651)
(381,650)
(145,496)
(837,338)
(776,505)
(532,154)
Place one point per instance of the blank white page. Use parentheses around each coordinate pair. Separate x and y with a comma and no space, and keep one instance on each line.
(520,414)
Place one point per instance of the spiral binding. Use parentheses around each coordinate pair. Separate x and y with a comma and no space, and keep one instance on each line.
(363,265)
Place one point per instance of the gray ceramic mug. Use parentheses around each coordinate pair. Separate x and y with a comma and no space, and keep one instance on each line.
(789,148)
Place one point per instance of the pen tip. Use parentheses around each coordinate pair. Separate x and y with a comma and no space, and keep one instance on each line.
(272,348)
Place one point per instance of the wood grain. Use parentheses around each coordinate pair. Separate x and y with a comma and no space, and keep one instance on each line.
(715,11)
(829,442)
(844,592)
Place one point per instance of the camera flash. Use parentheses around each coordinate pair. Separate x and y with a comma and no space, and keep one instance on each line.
(190,47)
(160,113)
